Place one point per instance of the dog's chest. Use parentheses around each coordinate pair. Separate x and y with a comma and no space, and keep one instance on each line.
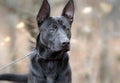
(51,68)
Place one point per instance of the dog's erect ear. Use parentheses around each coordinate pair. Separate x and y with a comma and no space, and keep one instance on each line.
(68,11)
(44,12)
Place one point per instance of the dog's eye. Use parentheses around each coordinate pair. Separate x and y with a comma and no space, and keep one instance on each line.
(53,28)
(64,26)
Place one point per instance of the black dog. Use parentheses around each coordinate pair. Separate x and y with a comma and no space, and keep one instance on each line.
(49,61)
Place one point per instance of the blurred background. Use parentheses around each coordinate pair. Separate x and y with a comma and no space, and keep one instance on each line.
(95,43)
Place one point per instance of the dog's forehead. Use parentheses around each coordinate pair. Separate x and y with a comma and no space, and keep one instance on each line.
(59,19)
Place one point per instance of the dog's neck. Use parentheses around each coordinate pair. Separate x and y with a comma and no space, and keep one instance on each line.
(45,54)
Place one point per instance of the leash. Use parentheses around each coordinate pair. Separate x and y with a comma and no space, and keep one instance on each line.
(13,62)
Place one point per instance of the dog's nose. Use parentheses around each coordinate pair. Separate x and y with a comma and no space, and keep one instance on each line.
(65,43)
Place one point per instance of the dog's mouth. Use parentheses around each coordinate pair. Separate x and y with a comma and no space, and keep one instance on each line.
(58,48)
(62,49)
(66,48)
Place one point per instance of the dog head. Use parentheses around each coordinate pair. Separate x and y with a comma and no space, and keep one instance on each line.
(55,32)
